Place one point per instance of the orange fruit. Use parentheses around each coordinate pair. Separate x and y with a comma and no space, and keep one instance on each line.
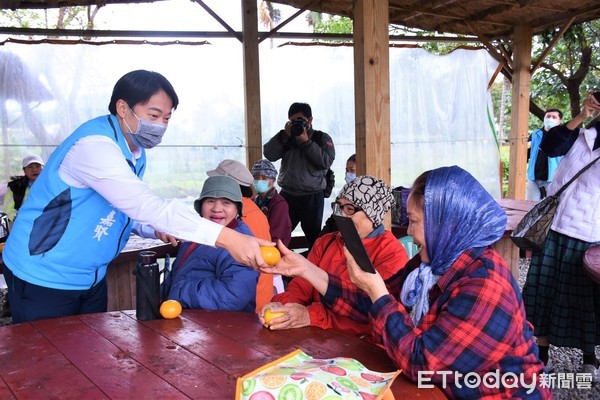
(315,391)
(170,309)
(270,315)
(270,254)
(272,381)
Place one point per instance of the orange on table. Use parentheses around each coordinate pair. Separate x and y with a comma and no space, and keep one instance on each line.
(270,315)
(170,309)
(270,254)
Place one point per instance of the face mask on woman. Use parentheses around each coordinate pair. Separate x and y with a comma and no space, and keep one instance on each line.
(261,186)
(148,134)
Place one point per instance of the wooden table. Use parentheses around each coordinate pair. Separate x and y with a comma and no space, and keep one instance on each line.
(198,355)
(515,210)
(119,274)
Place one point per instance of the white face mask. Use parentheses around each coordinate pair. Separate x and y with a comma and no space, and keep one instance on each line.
(550,123)
(148,134)
(349,177)
(261,186)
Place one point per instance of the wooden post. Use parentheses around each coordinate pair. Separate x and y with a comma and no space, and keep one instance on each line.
(372,89)
(519,127)
(251,82)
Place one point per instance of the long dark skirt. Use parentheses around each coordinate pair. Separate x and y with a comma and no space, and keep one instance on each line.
(561,301)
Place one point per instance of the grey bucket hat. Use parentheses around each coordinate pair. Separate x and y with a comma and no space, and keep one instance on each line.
(235,169)
(219,187)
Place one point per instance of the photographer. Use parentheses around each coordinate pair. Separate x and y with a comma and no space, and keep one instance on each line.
(306,155)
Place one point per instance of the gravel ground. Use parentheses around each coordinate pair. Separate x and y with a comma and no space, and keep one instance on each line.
(566,360)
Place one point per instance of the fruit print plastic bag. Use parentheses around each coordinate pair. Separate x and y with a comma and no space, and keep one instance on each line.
(299,376)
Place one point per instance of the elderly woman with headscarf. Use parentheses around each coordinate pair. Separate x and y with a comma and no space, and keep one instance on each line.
(366,200)
(454,317)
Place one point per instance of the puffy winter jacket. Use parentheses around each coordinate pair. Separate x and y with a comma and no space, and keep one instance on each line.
(208,278)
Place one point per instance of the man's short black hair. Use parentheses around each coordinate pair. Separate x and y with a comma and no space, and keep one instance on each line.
(138,86)
(554,110)
(303,108)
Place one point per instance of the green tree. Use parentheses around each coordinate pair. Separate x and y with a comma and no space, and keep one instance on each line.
(60,18)
(570,70)
(331,24)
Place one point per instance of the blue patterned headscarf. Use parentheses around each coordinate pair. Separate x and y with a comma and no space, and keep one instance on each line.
(459,214)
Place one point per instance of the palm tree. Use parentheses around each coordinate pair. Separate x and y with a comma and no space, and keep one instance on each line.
(268,15)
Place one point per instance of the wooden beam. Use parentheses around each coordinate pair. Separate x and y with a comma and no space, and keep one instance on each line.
(547,50)
(252,103)
(372,89)
(493,78)
(519,127)
(494,51)
(218,18)
(284,23)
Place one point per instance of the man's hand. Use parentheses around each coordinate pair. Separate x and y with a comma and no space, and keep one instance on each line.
(166,238)
(590,104)
(287,128)
(302,138)
(244,249)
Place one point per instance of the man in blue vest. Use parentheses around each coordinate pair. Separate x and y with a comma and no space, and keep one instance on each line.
(540,169)
(90,197)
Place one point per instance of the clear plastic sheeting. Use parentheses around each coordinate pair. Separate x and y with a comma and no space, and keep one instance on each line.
(439,105)
(440,114)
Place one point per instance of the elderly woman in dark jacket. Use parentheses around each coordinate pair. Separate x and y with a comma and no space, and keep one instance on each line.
(207,277)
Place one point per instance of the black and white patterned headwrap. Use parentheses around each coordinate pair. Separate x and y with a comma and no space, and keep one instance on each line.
(372,195)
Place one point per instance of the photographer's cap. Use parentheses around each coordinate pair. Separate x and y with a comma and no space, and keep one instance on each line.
(234,169)
(32,159)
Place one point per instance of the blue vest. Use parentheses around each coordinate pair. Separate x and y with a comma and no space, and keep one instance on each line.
(536,140)
(64,236)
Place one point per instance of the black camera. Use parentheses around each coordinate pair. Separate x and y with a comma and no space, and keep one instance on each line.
(597,96)
(298,126)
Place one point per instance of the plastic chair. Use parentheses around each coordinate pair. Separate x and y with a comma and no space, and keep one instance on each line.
(410,246)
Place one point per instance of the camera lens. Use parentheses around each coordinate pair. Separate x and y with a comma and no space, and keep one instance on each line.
(298,126)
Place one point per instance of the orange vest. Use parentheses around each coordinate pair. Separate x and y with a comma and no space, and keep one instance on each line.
(259,225)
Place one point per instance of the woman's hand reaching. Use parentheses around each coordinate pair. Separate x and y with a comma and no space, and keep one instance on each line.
(294,264)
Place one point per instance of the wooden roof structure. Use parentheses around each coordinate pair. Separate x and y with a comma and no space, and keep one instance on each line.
(505,27)
(494,19)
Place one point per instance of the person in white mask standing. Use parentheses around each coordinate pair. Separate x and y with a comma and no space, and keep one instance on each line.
(90,197)
(350,169)
(540,168)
